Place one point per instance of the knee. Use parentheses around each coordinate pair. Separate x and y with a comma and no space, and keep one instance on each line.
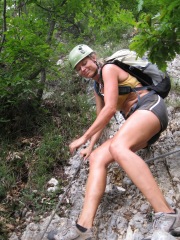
(96,160)
(118,149)
(92,159)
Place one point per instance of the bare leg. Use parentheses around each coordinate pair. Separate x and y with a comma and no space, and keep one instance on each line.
(139,128)
(96,183)
(132,136)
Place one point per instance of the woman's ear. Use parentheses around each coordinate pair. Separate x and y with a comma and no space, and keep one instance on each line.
(94,57)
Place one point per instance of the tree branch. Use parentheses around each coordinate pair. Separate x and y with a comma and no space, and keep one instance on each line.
(34,74)
(51,30)
(4,26)
(47,9)
(43,80)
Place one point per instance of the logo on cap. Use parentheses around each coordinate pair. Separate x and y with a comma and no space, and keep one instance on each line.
(81,49)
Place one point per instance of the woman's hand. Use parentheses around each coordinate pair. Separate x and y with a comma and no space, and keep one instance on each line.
(85,153)
(76,144)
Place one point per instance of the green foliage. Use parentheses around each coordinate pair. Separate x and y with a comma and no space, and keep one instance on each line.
(158,32)
(48,155)
(5,170)
(24,53)
(148,6)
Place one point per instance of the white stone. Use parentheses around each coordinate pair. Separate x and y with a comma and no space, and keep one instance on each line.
(53,182)
(161,235)
(52,189)
(129,234)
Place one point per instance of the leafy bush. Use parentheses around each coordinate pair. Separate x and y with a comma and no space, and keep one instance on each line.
(23,56)
(158,32)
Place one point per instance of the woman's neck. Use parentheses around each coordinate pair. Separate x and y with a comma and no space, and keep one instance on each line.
(97,75)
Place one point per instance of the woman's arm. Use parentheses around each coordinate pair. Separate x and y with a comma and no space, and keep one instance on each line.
(110,75)
(87,151)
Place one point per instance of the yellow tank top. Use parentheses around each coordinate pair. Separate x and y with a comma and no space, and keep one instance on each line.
(130,81)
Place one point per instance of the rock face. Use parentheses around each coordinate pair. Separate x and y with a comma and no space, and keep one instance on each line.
(124,214)
(160,235)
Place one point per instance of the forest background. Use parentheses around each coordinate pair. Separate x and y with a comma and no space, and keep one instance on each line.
(43,103)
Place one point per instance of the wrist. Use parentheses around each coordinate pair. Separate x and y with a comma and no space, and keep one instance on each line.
(86,138)
(90,147)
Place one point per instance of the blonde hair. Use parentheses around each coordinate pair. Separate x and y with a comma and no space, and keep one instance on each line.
(99,60)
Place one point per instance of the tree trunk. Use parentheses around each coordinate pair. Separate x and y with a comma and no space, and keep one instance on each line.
(42,80)
(4,25)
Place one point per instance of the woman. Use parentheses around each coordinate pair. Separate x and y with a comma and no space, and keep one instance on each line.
(143,125)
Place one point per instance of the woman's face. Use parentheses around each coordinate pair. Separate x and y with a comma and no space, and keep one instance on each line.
(86,67)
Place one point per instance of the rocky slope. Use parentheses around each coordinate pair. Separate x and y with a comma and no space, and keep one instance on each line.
(123,214)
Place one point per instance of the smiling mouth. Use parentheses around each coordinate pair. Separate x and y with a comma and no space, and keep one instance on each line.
(86,72)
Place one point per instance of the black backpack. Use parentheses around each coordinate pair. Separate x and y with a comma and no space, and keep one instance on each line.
(146,73)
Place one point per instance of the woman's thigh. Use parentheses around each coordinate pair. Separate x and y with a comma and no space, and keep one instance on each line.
(141,126)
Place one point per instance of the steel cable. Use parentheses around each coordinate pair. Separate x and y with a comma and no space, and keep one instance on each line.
(162,156)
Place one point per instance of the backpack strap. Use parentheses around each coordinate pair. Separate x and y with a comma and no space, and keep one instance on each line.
(127,89)
(97,89)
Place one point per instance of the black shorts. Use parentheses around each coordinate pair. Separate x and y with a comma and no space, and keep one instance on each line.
(154,103)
